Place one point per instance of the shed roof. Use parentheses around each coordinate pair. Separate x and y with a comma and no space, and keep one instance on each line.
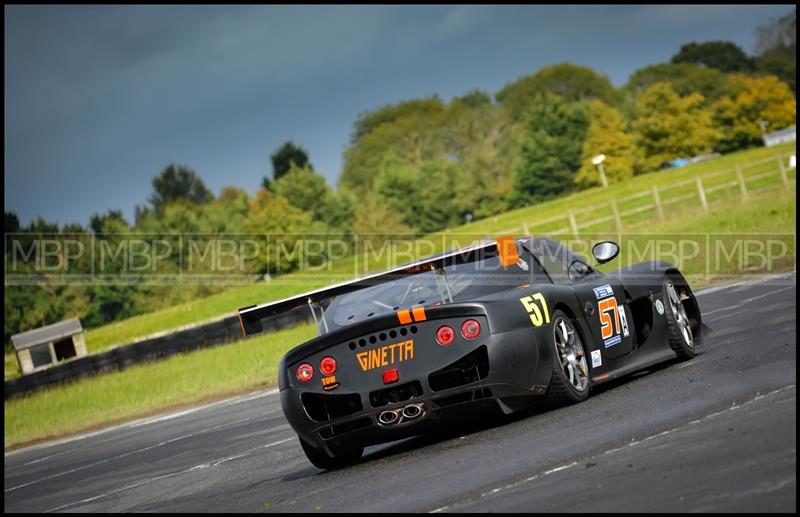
(47,333)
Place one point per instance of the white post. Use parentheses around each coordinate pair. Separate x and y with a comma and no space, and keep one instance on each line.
(573,223)
(617,218)
(742,185)
(784,177)
(701,193)
(657,201)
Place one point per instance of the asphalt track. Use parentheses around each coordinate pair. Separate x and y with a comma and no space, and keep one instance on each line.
(717,433)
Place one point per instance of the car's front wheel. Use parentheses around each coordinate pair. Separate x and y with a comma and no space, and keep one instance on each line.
(570,380)
(341,458)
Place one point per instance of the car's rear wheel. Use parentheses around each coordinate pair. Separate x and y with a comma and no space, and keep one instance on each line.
(341,458)
(570,380)
(681,337)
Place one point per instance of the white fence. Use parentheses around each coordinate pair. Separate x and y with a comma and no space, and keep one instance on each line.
(649,205)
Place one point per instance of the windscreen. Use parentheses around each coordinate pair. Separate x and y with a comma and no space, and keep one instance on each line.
(453,283)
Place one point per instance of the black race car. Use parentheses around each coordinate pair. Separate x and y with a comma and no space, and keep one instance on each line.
(502,324)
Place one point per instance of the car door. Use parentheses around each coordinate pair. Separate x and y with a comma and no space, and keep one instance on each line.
(607,313)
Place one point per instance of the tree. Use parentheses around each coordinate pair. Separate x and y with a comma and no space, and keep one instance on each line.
(11,224)
(550,154)
(98,222)
(285,156)
(276,225)
(304,189)
(776,48)
(606,134)
(755,99)
(570,82)
(178,182)
(722,55)
(684,78)
(401,130)
(474,99)
(669,126)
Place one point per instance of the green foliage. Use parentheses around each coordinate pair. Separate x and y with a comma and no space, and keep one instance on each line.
(669,126)
(571,82)
(606,134)
(283,158)
(178,182)
(102,223)
(684,78)
(11,224)
(722,55)
(304,189)
(399,130)
(550,154)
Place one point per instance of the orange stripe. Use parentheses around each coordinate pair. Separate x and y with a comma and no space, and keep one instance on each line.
(241,323)
(419,314)
(404,316)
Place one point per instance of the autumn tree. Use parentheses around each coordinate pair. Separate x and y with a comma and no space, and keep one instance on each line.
(755,99)
(668,125)
(606,135)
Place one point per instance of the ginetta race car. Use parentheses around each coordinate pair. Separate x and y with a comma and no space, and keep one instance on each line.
(503,324)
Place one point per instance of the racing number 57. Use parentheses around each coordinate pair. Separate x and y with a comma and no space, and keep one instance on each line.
(533,309)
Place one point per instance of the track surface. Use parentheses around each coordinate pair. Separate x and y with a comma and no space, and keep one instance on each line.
(715,433)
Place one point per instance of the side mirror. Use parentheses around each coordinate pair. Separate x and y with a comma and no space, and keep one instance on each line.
(578,269)
(605,251)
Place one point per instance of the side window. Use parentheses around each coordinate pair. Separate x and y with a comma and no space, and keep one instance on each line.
(554,266)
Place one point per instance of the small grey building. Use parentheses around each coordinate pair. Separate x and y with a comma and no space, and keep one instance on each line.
(41,348)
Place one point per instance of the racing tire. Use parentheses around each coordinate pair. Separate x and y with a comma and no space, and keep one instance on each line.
(570,382)
(320,459)
(679,326)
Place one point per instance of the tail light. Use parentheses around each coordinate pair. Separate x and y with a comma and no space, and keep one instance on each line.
(305,372)
(327,366)
(471,329)
(445,335)
(391,375)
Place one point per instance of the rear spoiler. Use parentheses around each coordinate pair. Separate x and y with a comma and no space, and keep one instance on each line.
(251,317)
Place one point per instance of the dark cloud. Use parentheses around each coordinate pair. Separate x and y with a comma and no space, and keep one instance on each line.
(99,98)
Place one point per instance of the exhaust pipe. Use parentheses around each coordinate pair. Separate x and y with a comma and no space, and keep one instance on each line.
(388,417)
(412,411)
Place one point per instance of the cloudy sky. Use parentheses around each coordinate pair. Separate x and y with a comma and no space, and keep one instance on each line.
(98,99)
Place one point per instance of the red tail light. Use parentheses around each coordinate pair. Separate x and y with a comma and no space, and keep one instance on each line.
(327,366)
(391,375)
(471,329)
(305,372)
(445,335)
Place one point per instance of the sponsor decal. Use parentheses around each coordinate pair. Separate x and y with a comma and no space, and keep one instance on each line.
(660,307)
(604,291)
(597,359)
(624,320)
(538,316)
(612,341)
(386,355)
(329,383)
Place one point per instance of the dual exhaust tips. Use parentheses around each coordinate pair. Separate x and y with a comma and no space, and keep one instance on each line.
(400,415)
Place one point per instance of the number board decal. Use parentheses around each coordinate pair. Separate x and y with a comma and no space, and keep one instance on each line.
(610,326)
(538,316)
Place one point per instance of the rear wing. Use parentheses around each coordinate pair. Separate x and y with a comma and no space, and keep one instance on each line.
(251,317)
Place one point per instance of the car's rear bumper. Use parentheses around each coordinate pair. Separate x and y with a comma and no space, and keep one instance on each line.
(509,370)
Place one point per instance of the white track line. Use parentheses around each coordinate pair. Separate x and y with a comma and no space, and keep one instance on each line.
(212,463)
(630,444)
(125,454)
